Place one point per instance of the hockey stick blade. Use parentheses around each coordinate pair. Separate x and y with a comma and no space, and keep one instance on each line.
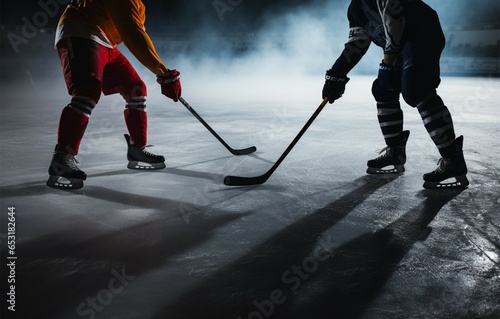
(243,151)
(233,151)
(246,181)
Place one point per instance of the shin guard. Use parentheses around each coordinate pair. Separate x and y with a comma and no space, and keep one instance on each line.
(438,123)
(136,119)
(73,123)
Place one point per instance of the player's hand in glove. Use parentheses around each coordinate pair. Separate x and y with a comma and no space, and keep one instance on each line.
(389,77)
(334,86)
(170,84)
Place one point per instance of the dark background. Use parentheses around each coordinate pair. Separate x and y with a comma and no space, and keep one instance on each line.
(249,15)
(189,31)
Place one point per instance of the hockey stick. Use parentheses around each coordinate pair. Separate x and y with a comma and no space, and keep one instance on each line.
(244,181)
(232,150)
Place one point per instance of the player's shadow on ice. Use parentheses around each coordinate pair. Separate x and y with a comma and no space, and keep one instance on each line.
(39,187)
(177,170)
(230,292)
(216,178)
(167,170)
(61,270)
(346,283)
(166,207)
(272,279)
(25,189)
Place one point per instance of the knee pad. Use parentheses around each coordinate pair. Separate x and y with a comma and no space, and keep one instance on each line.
(411,98)
(134,89)
(90,90)
(415,94)
(382,95)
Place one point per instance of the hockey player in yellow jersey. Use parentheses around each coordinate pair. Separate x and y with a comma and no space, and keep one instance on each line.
(87,37)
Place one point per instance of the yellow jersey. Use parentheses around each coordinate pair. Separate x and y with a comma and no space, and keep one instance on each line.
(109,23)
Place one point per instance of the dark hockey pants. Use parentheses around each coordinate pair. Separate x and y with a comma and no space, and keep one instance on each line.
(420,79)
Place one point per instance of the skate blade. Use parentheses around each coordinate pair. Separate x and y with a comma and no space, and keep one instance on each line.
(459,181)
(145,166)
(386,170)
(64,183)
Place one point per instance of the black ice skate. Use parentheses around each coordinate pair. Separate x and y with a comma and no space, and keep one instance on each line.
(64,173)
(451,170)
(139,158)
(393,160)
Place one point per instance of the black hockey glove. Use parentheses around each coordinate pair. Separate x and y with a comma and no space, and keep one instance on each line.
(389,77)
(334,86)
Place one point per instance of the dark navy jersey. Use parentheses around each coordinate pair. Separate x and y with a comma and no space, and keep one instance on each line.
(382,21)
(386,23)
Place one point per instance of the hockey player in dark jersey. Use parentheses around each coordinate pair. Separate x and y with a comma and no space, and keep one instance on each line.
(410,34)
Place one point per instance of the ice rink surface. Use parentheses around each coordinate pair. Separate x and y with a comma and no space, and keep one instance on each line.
(320,239)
